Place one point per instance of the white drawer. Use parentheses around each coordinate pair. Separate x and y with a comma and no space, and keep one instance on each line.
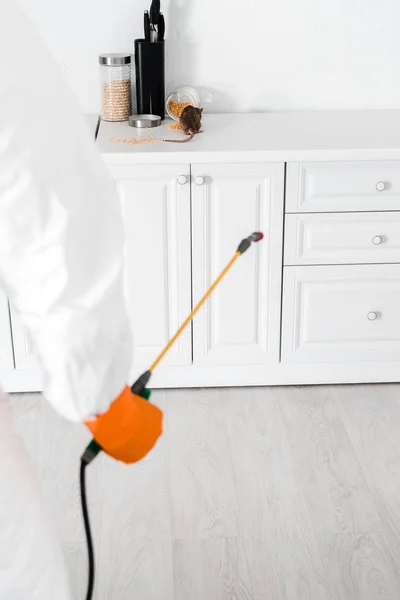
(342,238)
(341,313)
(342,186)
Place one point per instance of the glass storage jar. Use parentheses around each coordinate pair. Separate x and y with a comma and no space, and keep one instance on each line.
(115,77)
(179,98)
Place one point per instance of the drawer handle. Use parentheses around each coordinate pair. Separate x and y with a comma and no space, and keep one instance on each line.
(372,316)
(182,179)
(381,186)
(377,240)
(199,180)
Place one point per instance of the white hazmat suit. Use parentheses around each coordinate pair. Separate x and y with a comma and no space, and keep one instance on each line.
(61,265)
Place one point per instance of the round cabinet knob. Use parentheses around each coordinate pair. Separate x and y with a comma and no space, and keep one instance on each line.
(377,240)
(182,179)
(199,180)
(372,316)
(380,186)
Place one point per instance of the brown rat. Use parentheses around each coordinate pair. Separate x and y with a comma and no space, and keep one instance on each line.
(190,121)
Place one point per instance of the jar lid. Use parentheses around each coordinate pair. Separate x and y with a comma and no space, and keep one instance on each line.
(144,121)
(115,59)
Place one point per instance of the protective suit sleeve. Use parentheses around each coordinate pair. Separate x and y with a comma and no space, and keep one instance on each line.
(61,229)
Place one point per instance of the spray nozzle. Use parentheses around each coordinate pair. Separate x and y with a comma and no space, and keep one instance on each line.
(245,244)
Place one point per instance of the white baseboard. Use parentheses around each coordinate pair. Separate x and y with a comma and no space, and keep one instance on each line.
(281,374)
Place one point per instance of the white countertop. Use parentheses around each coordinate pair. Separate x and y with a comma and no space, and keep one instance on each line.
(283,136)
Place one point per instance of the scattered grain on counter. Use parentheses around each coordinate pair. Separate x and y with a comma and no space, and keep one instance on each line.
(176,108)
(116,101)
(175,126)
(134,141)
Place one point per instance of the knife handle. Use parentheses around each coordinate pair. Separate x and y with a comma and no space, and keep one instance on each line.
(146,26)
(161,27)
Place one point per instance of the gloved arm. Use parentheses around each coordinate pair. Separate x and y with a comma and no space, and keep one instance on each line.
(61,229)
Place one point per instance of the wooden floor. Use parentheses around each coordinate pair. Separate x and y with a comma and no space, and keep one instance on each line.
(264,494)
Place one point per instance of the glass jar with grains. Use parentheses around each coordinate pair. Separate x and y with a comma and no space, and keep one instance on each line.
(115,77)
(180,98)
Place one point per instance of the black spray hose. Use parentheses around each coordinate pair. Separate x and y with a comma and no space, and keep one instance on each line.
(87,531)
(90,453)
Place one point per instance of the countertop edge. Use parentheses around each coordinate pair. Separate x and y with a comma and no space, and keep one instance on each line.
(255,156)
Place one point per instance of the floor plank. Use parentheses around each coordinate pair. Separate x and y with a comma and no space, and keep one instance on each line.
(267,488)
(203,494)
(359,567)
(283,556)
(374,433)
(336,494)
(140,570)
(286,567)
(379,397)
(211,569)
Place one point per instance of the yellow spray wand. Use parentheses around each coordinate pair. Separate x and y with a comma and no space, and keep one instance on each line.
(140,384)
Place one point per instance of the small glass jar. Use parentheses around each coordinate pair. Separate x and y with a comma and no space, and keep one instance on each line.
(115,78)
(180,98)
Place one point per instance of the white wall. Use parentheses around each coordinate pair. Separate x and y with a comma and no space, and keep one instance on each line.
(243,55)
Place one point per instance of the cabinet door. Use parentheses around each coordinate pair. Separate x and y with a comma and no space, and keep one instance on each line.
(240,324)
(157,217)
(6,350)
(341,313)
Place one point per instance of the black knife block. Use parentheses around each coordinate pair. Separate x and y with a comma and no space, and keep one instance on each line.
(150,77)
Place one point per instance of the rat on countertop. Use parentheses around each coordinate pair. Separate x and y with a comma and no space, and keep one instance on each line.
(190,121)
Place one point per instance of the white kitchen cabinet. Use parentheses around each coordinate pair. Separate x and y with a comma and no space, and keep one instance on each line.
(325,190)
(23,351)
(157,216)
(19,369)
(240,324)
(341,313)
(6,348)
